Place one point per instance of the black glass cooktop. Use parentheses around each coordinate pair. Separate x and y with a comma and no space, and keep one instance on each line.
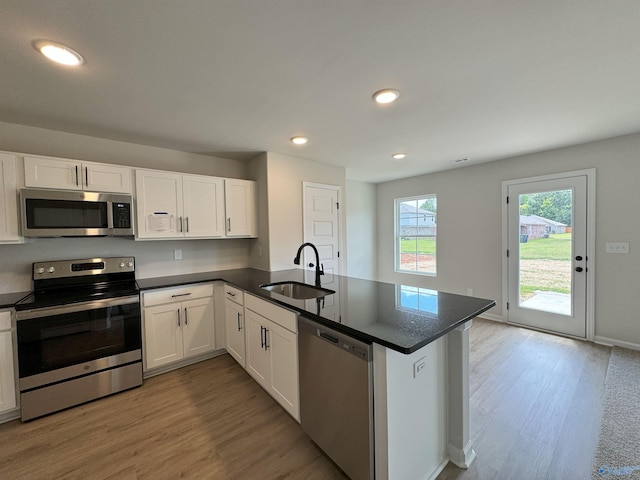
(76,294)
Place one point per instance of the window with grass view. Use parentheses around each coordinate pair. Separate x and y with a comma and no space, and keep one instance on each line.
(415,232)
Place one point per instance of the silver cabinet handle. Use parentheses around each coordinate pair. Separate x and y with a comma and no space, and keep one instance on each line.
(178,317)
(180,224)
(229,224)
(231,294)
(186,318)
(181,295)
(186,221)
(262,341)
(266,345)
(86,176)
(239,326)
(77,176)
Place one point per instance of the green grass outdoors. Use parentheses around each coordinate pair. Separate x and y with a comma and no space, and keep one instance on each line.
(425,246)
(556,247)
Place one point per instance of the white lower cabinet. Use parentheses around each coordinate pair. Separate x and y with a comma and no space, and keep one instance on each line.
(178,324)
(272,351)
(234,324)
(7,372)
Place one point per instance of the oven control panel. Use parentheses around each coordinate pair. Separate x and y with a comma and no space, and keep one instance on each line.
(83,267)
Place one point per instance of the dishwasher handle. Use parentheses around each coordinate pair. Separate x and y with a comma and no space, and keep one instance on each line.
(326,336)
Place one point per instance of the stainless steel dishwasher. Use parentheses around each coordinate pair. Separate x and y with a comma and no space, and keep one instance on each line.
(336,396)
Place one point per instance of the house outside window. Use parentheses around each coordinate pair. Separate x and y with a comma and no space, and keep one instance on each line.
(415,234)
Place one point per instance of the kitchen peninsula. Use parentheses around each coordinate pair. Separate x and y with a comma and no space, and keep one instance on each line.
(420,358)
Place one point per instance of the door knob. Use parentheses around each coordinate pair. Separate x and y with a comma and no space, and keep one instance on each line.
(578,269)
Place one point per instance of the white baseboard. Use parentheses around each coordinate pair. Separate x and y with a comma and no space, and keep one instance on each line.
(489,316)
(610,342)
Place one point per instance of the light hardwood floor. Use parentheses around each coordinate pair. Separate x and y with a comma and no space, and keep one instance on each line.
(536,402)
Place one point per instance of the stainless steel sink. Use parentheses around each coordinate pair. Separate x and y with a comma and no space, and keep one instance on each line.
(297,290)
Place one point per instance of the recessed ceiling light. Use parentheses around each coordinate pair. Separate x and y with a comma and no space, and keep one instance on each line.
(387,95)
(59,53)
(398,156)
(298,140)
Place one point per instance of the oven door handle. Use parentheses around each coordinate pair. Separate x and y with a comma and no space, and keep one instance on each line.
(75,307)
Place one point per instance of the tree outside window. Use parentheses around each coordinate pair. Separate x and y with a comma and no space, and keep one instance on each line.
(415,232)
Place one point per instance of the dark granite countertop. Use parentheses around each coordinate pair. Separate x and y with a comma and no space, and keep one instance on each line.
(401,317)
(8,300)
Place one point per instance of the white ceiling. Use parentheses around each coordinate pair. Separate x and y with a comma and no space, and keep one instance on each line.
(479,79)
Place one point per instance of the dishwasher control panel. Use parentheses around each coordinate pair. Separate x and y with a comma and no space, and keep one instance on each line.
(355,349)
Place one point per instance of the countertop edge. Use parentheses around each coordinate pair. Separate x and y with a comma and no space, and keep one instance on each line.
(219,276)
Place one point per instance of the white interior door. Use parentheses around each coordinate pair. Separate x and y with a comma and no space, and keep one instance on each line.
(322,225)
(322,228)
(547,254)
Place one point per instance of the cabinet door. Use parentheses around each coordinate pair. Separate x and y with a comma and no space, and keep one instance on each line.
(240,207)
(52,173)
(258,362)
(203,206)
(9,230)
(163,335)
(7,379)
(198,326)
(283,348)
(159,204)
(98,177)
(234,331)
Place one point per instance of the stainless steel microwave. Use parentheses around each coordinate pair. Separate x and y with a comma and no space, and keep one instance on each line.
(61,213)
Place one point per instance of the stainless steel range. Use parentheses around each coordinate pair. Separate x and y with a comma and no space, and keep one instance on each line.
(79,334)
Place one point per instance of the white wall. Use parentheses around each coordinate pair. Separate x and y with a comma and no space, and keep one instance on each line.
(469,226)
(260,256)
(361,230)
(40,141)
(153,258)
(285,175)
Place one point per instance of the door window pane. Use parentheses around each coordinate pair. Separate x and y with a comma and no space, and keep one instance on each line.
(546,251)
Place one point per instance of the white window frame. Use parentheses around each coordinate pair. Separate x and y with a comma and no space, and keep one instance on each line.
(396,235)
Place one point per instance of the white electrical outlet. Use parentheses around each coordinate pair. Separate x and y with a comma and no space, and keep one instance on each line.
(419,367)
(177,254)
(470,292)
(617,247)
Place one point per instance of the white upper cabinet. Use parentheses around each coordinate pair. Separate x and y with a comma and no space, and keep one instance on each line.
(9,225)
(172,205)
(240,208)
(59,173)
(203,206)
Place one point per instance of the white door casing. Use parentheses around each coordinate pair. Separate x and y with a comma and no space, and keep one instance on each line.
(573,314)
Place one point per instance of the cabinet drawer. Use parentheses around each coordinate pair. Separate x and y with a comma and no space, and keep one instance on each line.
(5,320)
(283,317)
(234,294)
(176,294)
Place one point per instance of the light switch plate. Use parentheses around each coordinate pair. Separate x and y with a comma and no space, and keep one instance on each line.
(617,247)
(177,254)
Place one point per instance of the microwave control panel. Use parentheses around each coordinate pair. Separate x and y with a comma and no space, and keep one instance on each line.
(121,215)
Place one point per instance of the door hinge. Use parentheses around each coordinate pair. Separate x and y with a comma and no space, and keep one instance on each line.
(338,205)
(507,199)
(507,253)
(507,305)
(338,254)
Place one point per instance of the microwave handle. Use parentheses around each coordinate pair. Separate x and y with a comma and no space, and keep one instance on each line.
(109,215)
